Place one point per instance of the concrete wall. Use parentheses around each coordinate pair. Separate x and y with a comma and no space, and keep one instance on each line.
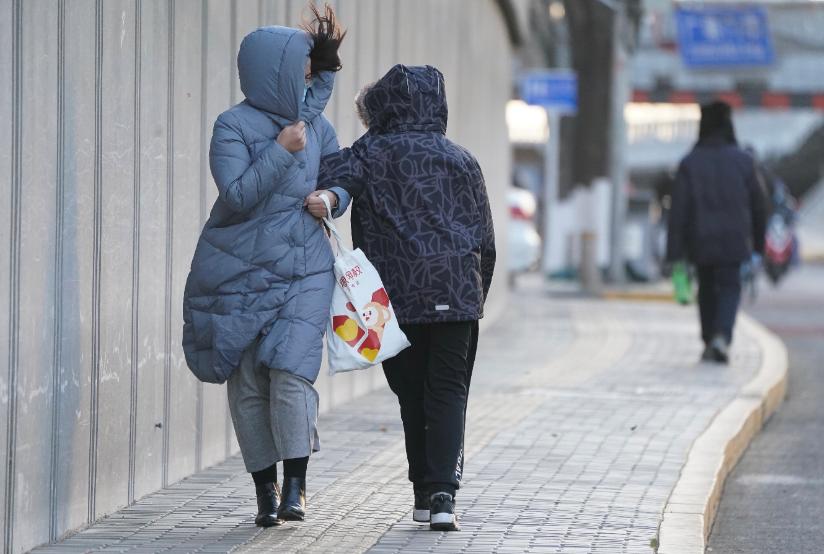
(105,115)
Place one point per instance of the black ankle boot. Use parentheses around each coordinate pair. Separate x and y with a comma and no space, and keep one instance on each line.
(293,501)
(268,500)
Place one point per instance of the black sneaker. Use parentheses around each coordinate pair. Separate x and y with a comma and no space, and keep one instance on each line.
(268,499)
(442,512)
(421,511)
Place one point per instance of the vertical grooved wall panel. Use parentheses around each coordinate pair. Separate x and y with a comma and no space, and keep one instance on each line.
(117,156)
(135,282)
(151,296)
(7,126)
(183,423)
(78,253)
(168,266)
(57,319)
(38,201)
(246,20)
(217,94)
(388,14)
(362,68)
(294,9)
(411,18)
(272,12)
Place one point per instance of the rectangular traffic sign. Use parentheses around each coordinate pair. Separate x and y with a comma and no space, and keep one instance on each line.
(724,36)
(554,89)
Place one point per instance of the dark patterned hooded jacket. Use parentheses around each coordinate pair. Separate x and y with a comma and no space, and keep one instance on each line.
(420,209)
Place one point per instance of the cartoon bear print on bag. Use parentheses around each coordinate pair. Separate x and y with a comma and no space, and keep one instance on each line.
(374,315)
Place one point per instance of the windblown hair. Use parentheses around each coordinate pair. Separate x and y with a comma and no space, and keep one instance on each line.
(327,35)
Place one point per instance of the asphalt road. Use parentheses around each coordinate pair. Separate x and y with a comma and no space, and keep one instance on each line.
(774,500)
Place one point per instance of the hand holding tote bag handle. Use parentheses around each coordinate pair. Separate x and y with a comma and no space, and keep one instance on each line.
(363,330)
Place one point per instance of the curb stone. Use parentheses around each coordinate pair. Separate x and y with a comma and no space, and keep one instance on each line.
(693,504)
(639,295)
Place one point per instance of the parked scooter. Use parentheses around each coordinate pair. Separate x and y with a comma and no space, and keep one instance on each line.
(778,247)
(781,244)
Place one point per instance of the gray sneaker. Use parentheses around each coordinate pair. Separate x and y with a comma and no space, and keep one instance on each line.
(720,349)
(707,355)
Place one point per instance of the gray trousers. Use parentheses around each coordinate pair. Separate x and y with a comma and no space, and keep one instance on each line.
(275,414)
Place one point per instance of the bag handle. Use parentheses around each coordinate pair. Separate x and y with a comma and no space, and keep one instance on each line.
(327,220)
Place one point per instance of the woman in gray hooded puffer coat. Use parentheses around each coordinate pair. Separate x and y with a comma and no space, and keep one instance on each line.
(257,298)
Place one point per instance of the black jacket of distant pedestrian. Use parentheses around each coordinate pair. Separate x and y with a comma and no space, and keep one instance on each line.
(420,210)
(718,206)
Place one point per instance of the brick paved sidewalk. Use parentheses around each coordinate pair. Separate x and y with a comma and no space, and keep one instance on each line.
(581,416)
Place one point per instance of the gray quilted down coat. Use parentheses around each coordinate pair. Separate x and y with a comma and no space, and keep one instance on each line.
(262,269)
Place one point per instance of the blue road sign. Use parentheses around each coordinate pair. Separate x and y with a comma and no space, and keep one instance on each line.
(554,90)
(724,36)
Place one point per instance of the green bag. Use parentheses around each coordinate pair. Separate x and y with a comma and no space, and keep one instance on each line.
(682,283)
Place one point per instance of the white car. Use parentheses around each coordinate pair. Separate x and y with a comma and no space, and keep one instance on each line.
(524,241)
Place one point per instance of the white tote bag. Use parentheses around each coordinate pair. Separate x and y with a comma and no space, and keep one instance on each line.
(363,330)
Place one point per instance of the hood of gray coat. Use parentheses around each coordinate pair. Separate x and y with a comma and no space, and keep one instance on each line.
(271,64)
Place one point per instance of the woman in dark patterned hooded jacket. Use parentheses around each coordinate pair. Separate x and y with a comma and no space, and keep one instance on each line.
(258,294)
(420,213)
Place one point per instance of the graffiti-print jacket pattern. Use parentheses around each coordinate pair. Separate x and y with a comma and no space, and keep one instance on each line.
(420,207)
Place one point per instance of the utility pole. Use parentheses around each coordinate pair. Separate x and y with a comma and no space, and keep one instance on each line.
(602,36)
(551,173)
(618,147)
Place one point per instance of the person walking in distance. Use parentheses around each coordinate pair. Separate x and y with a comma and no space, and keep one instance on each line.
(258,294)
(421,214)
(717,220)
